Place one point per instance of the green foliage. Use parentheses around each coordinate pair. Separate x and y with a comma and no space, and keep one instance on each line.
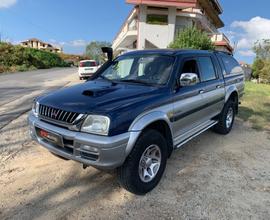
(262,49)
(265,72)
(261,65)
(17,58)
(192,38)
(157,19)
(93,50)
(257,67)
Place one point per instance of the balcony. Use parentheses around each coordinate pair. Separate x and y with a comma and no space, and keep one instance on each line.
(128,32)
(219,38)
(221,41)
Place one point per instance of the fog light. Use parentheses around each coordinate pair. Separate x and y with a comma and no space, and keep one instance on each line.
(89,148)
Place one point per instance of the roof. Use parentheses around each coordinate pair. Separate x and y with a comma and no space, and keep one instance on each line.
(168,52)
(33,39)
(87,61)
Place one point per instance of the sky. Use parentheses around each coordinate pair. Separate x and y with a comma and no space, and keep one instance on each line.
(74,23)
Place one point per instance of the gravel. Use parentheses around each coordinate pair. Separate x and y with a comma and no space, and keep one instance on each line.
(211,177)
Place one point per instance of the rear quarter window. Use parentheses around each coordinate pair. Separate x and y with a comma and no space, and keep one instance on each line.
(231,65)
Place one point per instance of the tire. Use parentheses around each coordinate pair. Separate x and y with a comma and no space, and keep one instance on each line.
(224,126)
(130,174)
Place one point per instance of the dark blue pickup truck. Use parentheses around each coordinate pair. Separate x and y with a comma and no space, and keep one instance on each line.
(137,109)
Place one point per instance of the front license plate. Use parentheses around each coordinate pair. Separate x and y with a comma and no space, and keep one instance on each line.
(50,137)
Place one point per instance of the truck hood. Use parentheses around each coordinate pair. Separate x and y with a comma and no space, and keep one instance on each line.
(98,96)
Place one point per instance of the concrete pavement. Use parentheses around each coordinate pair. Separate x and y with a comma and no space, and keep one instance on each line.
(19,89)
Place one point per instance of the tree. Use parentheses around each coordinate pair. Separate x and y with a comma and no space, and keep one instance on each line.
(265,72)
(192,38)
(261,65)
(93,50)
(257,67)
(262,49)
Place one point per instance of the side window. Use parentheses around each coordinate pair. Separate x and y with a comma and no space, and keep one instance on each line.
(190,66)
(207,69)
(231,65)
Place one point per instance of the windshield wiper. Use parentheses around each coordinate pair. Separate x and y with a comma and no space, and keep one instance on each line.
(109,80)
(136,81)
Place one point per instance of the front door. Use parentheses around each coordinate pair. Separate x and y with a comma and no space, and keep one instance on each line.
(187,102)
(197,104)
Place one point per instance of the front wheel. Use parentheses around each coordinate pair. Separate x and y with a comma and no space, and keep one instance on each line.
(226,118)
(145,165)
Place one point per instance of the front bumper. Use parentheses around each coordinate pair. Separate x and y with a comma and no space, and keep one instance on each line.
(110,152)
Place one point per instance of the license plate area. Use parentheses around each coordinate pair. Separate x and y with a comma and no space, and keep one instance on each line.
(50,137)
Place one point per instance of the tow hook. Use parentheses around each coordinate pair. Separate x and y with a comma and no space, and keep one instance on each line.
(85,166)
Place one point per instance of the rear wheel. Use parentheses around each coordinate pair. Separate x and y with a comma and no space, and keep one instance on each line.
(226,118)
(145,165)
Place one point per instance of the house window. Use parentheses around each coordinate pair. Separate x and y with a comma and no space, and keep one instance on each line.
(157,19)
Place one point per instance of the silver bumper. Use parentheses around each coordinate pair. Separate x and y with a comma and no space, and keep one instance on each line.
(108,153)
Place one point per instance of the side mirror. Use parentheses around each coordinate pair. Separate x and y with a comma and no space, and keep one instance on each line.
(189,79)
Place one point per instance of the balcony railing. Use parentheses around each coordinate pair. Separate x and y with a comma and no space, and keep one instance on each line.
(129,25)
(219,38)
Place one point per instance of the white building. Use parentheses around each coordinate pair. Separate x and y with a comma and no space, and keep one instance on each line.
(155,23)
(40,45)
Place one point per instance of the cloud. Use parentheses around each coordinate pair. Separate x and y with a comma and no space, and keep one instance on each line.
(77,43)
(7,3)
(246,33)
(246,53)
(73,43)
(73,46)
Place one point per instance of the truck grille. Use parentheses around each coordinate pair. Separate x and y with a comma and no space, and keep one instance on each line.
(57,114)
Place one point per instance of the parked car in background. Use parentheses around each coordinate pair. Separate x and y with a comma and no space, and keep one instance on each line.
(87,68)
(137,109)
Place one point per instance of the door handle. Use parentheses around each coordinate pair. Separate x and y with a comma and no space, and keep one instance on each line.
(218,86)
(201,91)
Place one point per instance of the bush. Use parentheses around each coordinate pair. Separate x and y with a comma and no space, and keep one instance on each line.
(192,38)
(17,58)
(265,72)
(261,65)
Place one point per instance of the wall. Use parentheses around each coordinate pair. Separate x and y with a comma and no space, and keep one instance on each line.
(159,35)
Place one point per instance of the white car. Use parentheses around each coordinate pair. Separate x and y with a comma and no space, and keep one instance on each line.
(87,68)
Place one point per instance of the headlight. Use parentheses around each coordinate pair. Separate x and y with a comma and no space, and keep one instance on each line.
(35,108)
(96,124)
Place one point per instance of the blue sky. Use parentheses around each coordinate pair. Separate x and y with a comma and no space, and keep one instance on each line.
(73,23)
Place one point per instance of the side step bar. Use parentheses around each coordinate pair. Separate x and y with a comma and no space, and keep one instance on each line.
(196,134)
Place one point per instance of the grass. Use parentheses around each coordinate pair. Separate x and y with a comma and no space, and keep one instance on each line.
(255,107)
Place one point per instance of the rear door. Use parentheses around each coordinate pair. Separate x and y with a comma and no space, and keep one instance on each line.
(213,91)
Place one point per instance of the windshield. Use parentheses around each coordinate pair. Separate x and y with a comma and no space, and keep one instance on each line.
(87,63)
(150,69)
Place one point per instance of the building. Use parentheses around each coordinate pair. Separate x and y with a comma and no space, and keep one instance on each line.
(247,70)
(40,45)
(155,23)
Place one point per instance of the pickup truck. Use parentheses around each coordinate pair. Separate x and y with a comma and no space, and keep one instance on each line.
(137,109)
